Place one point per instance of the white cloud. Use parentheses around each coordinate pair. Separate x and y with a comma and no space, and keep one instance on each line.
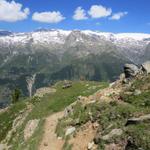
(48,17)
(12,11)
(118,15)
(99,11)
(80,14)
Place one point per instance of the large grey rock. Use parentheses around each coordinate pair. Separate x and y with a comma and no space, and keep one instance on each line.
(137,92)
(146,67)
(130,70)
(145,118)
(114,132)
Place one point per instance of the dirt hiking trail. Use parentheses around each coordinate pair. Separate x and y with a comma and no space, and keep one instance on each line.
(50,140)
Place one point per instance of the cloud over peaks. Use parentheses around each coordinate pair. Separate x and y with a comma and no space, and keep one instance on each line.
(12,11)
(99,11)
(118,16)
(48,17)
(80,14)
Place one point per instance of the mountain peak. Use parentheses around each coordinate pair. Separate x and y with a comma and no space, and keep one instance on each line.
(5,33)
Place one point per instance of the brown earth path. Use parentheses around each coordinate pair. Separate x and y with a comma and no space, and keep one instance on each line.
(50,140)
(83,137)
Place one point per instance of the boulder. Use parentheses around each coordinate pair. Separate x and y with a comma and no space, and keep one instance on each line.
(70,131)
(146,67)
(137,92)
(130,70)
(114,132)
(145,118)
(67,84)
(122,76)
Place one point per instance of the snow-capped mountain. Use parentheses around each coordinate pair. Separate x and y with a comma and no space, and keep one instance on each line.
(52,55)
(131,45)
(58,36)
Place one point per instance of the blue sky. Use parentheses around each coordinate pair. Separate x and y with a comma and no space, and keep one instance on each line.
(103,15)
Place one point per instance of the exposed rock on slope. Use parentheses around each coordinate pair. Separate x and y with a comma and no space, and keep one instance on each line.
(145,118)
(42,91)
(30,128)
(119,117)
(146,67)
(131,70)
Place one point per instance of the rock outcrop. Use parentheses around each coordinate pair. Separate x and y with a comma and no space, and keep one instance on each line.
(45,90)
(114,132)
(130,70)
(30,128)
(146,67)
(145,118)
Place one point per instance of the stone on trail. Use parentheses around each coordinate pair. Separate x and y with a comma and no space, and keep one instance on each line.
(70,130)
(90,145)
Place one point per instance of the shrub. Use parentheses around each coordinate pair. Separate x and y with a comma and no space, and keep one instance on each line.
(16,95)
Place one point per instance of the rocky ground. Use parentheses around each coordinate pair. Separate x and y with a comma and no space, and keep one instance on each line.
(108,119)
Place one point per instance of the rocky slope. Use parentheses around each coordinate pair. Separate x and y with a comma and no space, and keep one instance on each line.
(51,55)
(114,117)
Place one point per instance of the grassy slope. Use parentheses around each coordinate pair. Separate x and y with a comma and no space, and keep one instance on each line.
(115,115)
(7,117)
(63,97)
(49,104)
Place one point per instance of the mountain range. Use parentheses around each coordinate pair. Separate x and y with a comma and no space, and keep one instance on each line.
(35,59)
